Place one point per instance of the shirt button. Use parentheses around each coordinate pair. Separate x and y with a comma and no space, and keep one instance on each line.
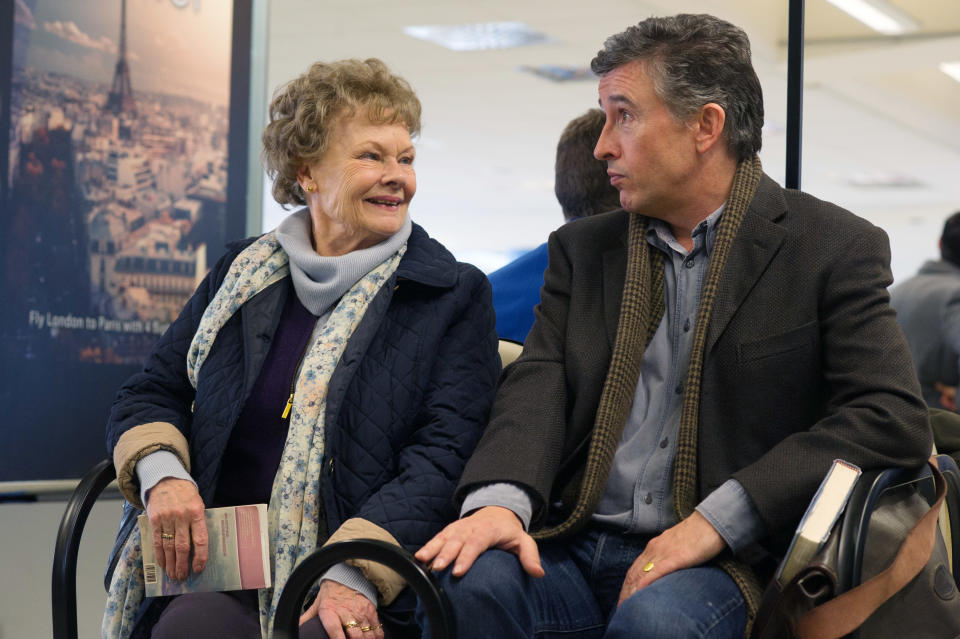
(648,499)
(664,443)
(679,389)
(689,262)
(686,325)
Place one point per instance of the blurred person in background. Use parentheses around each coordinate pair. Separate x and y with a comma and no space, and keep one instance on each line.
(928,310)
(583,188)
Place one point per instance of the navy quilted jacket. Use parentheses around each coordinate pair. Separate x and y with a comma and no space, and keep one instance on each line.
(406,404)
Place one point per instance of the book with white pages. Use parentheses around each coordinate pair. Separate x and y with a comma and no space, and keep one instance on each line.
(238,557)
(817,522)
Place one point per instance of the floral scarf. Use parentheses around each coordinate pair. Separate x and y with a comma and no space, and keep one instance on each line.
(294,512)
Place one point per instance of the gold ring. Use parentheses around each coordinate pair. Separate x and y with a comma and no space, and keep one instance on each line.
(647,567)
(351,624)
(166,535)
(369,628)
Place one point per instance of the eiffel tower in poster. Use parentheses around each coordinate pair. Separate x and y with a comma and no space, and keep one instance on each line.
(120,99)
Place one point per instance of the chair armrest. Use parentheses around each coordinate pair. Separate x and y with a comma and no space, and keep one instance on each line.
(509,350)
(951,473)
(64,582)
(432,598)
(856,517)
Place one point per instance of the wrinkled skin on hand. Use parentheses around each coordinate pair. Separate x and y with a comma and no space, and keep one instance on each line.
(175,508)
(339,607)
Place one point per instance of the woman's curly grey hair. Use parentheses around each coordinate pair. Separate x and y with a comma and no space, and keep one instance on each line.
(303,110)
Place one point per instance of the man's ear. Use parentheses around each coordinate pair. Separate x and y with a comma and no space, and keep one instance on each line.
(709,125)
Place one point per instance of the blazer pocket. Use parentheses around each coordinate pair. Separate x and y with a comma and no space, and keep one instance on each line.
(803,337)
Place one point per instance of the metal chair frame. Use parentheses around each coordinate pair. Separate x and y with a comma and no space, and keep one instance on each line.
(64,580)
(863,500)
(432,598)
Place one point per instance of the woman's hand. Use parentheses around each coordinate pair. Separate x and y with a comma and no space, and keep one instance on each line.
(344,612)
(175,510)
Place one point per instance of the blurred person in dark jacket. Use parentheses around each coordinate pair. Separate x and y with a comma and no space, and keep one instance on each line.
(583,188)
(928,310)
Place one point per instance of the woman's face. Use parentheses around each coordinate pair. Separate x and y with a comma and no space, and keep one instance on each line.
(359,190)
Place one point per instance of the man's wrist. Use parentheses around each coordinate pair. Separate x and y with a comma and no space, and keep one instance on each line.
(732,514)
(502,494)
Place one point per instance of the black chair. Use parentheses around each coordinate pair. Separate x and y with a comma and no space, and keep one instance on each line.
(432,598)
(64,582)
(867,492)
(509,351)
(863,501)
(951,472)
(874,493)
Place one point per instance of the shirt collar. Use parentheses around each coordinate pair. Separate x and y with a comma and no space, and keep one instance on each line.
(660,234)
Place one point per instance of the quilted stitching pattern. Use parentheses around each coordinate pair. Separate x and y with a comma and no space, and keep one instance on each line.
(406,405)
(160,392)
(403,414)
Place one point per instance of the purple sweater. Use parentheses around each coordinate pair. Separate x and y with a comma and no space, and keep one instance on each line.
(255,447)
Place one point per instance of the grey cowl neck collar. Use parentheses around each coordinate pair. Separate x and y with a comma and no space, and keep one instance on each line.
(320,281)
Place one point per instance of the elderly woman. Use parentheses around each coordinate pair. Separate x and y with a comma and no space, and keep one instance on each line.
(339,368)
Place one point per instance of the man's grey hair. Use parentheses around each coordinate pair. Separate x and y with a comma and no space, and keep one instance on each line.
(693,60)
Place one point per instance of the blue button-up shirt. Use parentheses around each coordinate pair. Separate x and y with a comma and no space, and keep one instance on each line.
(639,495)
(639,492)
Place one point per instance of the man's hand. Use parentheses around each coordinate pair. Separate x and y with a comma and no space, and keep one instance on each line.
(344,612)
(176,514)
(690,543)
(490,527)
(948,396)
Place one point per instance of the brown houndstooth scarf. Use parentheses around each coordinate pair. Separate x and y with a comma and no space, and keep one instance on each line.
(641,310)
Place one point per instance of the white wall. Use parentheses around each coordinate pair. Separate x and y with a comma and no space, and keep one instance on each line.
(28,534)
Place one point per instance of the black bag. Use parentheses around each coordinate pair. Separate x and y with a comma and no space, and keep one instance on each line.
(907,589)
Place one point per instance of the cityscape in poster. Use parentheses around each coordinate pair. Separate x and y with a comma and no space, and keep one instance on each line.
(118,171)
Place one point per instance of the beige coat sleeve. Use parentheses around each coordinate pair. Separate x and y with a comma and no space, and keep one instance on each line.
(137,443)
(388,583)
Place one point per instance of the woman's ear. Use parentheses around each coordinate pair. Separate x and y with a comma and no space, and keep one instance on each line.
(709,124)
(304,178)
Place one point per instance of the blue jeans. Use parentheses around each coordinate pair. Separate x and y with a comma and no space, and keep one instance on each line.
(578,595)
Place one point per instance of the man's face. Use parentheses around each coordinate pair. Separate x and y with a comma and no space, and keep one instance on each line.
(650,155)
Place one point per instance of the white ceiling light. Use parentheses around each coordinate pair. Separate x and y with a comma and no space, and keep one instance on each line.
(477,36)
(558,73)
(884,179)
(879,15)
(952,69)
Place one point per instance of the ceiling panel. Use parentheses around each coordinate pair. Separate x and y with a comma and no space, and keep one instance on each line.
(485,159)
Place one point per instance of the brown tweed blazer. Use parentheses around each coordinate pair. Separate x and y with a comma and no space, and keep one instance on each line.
(804,362)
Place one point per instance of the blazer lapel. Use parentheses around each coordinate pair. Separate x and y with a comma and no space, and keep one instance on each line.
(614,275)
(757,241)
